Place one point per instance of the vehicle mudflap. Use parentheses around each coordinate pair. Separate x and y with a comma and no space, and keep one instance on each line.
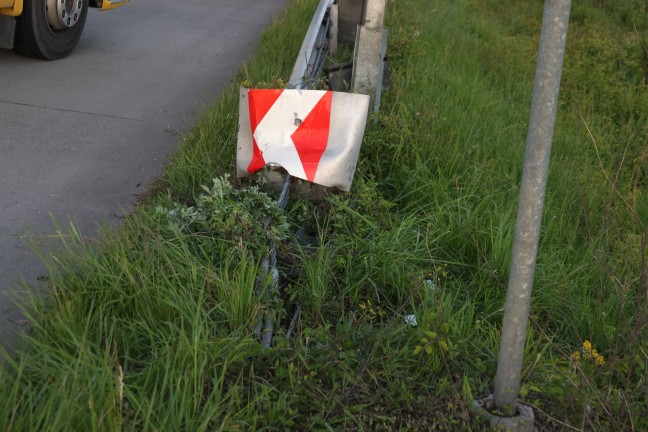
(7,31)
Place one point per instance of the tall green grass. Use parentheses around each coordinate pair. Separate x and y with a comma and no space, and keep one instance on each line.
(153,328)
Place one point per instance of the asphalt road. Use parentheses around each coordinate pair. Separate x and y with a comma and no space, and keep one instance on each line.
(82,137)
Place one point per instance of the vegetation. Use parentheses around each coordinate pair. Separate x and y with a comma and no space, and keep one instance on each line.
(153,328)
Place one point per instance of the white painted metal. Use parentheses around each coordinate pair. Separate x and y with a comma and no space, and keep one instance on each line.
(273,135)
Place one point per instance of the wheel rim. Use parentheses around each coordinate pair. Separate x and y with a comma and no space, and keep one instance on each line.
(63,14)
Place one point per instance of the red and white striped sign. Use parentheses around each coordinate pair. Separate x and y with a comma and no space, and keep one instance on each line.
(313,134)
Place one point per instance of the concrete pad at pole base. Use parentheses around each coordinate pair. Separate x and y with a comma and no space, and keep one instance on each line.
(522,422)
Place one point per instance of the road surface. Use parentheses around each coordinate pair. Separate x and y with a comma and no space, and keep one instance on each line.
(82,137)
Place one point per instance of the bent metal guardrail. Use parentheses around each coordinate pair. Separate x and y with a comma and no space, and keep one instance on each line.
(312,134)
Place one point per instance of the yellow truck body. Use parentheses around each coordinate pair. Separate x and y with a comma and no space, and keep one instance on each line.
(11,7)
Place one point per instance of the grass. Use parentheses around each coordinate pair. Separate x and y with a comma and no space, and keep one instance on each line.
(152,328)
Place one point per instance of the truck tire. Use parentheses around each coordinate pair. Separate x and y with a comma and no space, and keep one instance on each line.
(50,29)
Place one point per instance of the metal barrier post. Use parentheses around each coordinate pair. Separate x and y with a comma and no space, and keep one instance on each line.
(532,194)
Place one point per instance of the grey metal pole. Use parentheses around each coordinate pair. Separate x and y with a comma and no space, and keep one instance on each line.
(532,193)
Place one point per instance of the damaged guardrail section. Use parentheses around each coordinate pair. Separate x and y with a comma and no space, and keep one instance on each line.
(308,131)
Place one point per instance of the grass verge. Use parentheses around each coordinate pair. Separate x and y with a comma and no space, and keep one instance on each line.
(152,329)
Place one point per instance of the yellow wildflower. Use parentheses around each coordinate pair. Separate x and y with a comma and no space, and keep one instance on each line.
(591,352)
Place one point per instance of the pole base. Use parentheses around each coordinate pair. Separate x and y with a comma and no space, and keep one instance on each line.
(522,422)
